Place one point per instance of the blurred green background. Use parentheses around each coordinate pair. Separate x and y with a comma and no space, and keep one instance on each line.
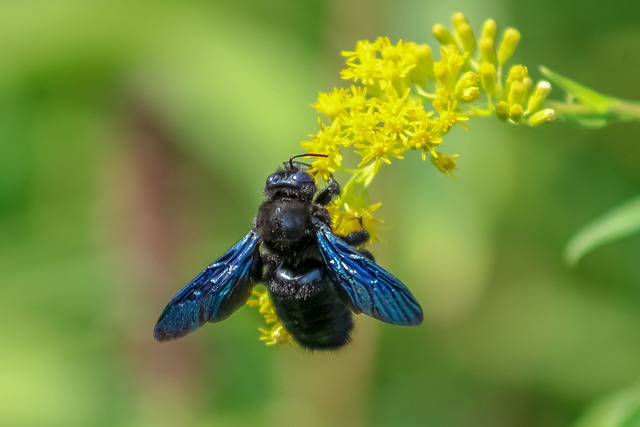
(135,138)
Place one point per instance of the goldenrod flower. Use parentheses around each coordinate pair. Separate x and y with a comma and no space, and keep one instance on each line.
(398,88)
(401,99)
(379,150)
(424,136)
(363,63)
(450,116)
(331,104)
(445,163)
(277,334)
(327,141)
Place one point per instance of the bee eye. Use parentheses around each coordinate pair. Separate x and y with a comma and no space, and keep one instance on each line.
(273,179)
(303,178)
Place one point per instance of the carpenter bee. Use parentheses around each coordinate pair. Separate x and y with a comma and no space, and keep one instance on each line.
(316,279)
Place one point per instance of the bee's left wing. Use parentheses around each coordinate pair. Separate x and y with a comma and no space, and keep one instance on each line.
(371,289)
(212,295)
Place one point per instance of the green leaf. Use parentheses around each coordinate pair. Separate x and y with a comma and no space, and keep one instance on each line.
(585,95)
(633,419)
(621,409)
(615,224)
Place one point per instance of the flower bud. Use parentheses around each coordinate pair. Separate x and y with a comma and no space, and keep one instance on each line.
(487,51)
(489,29)
(502,111)
(510,40)
(470,94)
(469,80)
(516,112)
(464,32)
(488,77)
(424,61)
(443,99)
(527,82)
(538,96)
(516,93)
(459,18)
(441,74)
(542,116)
(443,35)
(518,73)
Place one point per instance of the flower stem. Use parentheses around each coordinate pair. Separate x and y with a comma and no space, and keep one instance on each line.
(617,110)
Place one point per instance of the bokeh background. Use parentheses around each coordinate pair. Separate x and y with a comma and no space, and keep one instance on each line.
(135,138)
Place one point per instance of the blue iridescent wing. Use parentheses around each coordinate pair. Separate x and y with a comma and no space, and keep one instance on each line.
(370,288)
(212,295)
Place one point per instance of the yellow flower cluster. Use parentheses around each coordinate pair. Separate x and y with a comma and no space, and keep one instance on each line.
(277,334)
(403,99)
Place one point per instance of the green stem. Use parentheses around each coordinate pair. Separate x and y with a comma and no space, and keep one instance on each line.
(360,178)
(591,108)
(619,109)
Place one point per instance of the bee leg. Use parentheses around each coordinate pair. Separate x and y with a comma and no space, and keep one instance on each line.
(358,238)
(332,190)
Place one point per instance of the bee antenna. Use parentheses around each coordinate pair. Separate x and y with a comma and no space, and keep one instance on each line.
(305,155)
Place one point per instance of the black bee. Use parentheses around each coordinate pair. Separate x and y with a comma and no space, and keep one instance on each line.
(315,278)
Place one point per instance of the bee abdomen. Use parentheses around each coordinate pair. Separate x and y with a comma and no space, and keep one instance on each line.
(313,313)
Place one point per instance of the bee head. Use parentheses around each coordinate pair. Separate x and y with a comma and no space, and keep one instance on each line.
(291,181)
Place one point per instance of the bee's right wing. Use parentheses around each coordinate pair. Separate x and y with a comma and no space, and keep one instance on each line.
(370,288)
(212,295)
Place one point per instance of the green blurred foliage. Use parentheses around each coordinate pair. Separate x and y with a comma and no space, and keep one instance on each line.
(134,141)
(620,222)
